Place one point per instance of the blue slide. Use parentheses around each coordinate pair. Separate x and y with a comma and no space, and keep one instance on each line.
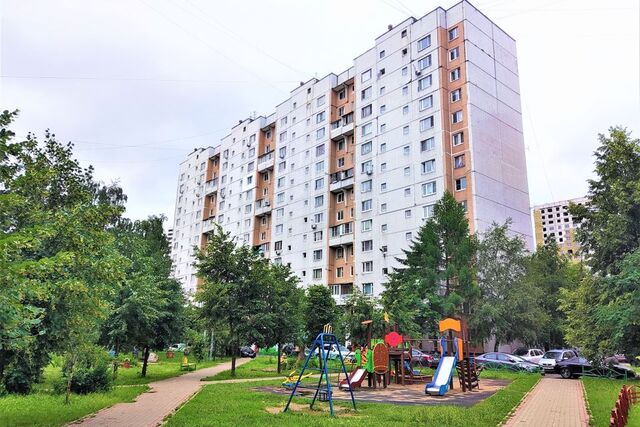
(440,384)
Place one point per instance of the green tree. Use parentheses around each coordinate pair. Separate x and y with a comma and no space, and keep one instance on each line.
(437,274)
(59,262)
(549,271)
(148,307)
(358,308)
(508,308)
(233,290)
(610,220)
(320,309)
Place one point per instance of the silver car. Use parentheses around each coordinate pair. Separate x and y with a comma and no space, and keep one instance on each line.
(532,355)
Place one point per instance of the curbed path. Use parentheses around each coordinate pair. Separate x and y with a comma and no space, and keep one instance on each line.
(151,408)
(552,402)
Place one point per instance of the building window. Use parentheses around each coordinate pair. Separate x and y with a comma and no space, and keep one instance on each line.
(382,53)
(424,83)
(383,167)
(317,274)
(367,129)
(455,74)
(461,183)
(340,197)
(317,255)
(458,138)
(367,288)
(367,225)
(383,147)
(426,123)
(424,62)
(407,192)
(453,33)
(456,117)
(365,76)
(405,90)
(425,103)
(319,201)
(408,236)
(405,130)
(320,133)
(383,128)
(367,205)
(429,166)
(318,218)
(427,211)
(340,272)
(367,245)
(320,101)
(383,207)
(279,228)
(456,95)
(427,144)
(454,54)
(406,150)
(424,43)
(317,236)
(366,93)
(319,184)
(407,213)
(405,71)
(367,111)
(383,186)
(367,266)
(320,150)
(320,117)
(405,110)
(383,109)
(384,228)
(403,34)
(458,161)
(339,215)
(429,188)
(407,171)
(366,186)
(366,148)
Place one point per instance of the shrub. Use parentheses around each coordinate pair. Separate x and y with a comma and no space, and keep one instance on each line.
(91,372)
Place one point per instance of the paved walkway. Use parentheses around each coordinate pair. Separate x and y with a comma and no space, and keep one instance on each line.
(553,402)
(164,397)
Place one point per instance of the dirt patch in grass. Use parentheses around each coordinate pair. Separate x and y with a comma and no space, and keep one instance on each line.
(297,407)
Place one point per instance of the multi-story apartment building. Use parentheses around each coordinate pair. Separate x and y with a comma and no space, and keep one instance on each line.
(553,222)
(337,181)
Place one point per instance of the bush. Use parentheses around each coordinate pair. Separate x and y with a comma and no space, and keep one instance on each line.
(19,375)
(91,372)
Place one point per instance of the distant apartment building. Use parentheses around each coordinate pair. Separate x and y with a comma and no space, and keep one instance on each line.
(553,222)
(338,179)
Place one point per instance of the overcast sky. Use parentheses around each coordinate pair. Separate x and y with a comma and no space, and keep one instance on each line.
(137,84)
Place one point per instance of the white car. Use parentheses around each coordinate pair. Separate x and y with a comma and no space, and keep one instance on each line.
(551,357)
(532,355)
(333,352)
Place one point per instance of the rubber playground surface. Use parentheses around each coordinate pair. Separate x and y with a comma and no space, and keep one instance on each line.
(408,394)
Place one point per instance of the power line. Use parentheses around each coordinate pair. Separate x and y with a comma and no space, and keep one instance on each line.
(211,47)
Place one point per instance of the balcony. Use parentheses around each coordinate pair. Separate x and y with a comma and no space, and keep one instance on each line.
(263,207)
(341,235)
(211,186)
(266,161)
(341,180)
(342,127)
(208,225)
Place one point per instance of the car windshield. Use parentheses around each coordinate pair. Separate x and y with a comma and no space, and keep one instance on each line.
(556,355)
(521,352)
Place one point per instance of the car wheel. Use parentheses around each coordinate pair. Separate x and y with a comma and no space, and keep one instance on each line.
(565,373)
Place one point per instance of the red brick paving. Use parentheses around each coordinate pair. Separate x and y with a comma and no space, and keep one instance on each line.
(150,408)
(553,402)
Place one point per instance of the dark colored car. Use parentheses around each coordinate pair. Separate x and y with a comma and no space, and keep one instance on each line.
(552,357)
(246,351)
(497,360)
(424,359)
(578,366)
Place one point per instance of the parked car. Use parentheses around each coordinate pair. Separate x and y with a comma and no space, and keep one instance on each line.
(335,351)
(532,355)
(424,359)
(246,351)
(577,366)
(499,360)
(177,347)
(552,357)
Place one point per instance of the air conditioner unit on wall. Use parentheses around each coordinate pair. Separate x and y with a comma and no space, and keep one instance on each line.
(314,226)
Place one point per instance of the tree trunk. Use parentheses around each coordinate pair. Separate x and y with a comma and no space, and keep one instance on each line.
(115,360)
(233,364)
(279,356)
(145,361)
(211,345)
(72,365)
(496,345)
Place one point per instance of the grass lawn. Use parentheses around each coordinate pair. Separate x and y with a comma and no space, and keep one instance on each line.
(163,369)
(602,394)
(41,409)
(260,367)
(235,404)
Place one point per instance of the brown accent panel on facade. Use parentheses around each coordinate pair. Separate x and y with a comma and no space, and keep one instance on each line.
(448,108)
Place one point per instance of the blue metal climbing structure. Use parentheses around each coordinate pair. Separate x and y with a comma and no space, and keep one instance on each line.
(323,343)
